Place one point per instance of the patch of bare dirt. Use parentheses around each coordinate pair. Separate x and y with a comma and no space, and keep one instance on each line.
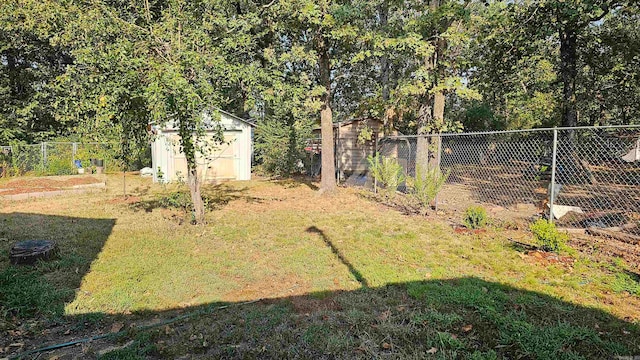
(464,230)
(310,305)
(127,200)
(606,247)
(27,190)
(549,258)
(22,186)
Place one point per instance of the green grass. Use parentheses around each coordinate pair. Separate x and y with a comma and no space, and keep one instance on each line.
(333,267)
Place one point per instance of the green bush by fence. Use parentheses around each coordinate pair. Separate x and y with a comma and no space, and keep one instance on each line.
(57,158)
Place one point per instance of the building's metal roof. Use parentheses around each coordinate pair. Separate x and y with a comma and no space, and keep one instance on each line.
(208,123)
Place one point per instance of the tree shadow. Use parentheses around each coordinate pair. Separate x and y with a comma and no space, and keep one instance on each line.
(450,318)
(295,181)
(465,317)
(44,288)
(356,274)
(214,196)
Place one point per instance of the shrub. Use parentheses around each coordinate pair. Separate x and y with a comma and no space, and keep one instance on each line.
(59,165)
(181,200)
(387,171)
(475,217)
(177,200)
(548,237)
(279,145)
(426,185)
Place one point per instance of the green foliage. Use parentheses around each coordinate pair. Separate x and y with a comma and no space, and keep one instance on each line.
(177,200)
(279,145)
(475,217)
(626,281)
(59,165)
(426,185)
(31,62)
(23,293)
(548,237)
(387,171)
(365,134)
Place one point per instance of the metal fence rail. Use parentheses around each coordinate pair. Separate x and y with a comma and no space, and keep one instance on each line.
(56,158)
(579,177)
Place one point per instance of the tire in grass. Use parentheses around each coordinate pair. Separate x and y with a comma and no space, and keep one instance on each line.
(29,251)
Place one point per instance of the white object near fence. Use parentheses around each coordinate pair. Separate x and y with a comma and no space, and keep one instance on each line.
(634,154)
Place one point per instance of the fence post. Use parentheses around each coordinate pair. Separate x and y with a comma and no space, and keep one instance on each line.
(43,147)
(553,174)
(74,151)
(375,154)
(438,159)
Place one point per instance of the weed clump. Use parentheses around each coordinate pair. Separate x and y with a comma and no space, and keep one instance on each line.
(426,185)
(475,217)
(548,237)
(387,171)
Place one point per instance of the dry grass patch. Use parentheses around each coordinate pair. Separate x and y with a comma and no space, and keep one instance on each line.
(137,258)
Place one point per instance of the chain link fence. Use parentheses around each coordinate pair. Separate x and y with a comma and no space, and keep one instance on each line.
(585,177)
(58,158)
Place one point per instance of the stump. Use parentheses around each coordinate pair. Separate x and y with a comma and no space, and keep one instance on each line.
(30,251)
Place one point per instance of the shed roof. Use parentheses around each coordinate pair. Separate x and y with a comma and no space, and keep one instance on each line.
(350,121)
(248,121)
(208,123)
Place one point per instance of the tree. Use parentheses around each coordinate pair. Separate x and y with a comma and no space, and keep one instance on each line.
(514,68)
(29,62)
(323,32)
(522,43)
(431,38)
(609,90)
(172,59)
(570,19)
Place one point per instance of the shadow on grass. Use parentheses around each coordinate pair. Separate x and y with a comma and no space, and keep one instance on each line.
(43,289)
(295,181)
(453,318)
(466,318)
(214,196)
(356,274)
(521,246)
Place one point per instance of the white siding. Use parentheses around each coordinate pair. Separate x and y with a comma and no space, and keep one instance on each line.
(228,161)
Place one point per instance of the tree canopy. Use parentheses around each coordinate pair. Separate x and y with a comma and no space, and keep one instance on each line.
(105,69)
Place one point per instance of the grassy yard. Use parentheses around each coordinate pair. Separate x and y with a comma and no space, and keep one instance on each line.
(340,276)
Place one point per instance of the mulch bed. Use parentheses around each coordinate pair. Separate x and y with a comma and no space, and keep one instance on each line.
(23,186)
(464,230)
(549,258)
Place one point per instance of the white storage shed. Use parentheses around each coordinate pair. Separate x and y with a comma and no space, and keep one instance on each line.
(228,161)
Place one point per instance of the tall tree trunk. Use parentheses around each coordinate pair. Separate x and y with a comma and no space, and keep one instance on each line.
(431,115)
(425,116)
(569,72)
(383,12)
(196,193)
(438,118)
(573,170)
(328,175)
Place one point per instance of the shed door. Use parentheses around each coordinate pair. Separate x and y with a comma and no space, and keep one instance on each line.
(224,162)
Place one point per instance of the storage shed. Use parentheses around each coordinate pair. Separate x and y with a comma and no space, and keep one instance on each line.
(351,154)
(228,161)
